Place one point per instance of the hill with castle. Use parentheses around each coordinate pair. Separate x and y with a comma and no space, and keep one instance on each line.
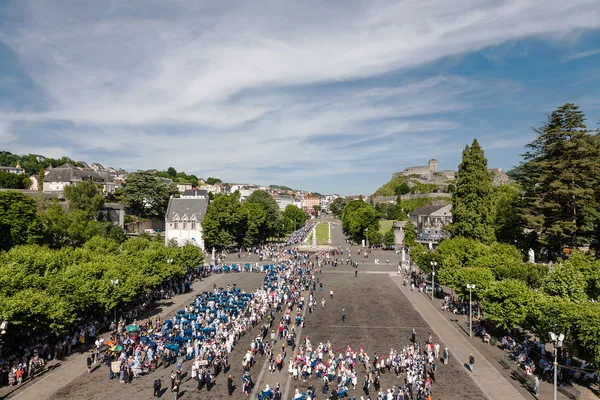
(428,179)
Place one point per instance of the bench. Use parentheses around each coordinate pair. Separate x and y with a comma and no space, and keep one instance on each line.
(569,391)
(506,363)
(527,380)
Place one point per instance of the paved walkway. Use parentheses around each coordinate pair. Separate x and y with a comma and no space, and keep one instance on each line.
(75,365)
(491,382)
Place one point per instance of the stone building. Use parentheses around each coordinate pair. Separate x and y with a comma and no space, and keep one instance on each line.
(431,221)
(423,172)
(183,221)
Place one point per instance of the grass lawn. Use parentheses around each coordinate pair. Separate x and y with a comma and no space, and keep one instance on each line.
(322,230)
(385,226)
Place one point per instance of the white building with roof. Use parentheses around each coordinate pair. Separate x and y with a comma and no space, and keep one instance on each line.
(183,220)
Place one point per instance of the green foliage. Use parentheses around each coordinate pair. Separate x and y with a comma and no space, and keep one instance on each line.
(322,231)
(178,177)
(472,211)
(358,217)
(279,187)
(294,218)
(390,211)
(30,164)
(421,256)
(337,206)
(481,277)
(389,238)
(86,197)
(559,177)
(223,222)
(410,234)
(508,303)
(43,291)
(273,224)
(402,188)
(213,181)
(510,221)
(148,195)
(255,218)
(566,281)
(19,223)
(13,181)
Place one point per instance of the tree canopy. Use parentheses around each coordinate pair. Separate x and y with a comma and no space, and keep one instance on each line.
(148,195)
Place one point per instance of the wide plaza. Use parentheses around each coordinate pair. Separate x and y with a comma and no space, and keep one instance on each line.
(380,316)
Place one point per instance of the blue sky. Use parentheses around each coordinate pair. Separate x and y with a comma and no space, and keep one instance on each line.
(326,96)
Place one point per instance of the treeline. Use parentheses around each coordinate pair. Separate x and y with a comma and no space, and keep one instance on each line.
(44,221)
(32,164)
(13,181)
(518,294)
(256,220)
(43,291)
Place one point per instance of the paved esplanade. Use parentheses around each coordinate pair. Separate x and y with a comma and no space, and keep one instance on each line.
(489,380)
(46,385)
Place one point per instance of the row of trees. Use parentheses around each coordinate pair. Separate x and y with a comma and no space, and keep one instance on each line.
(41,220)
(553,204)
(14,181)
(515,294)
(228,222)
(43,291)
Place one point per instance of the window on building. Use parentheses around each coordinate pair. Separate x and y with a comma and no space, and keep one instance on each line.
(176,225)
(185,225)
(193,225)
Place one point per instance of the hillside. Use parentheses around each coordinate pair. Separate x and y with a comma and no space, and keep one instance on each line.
(416,185)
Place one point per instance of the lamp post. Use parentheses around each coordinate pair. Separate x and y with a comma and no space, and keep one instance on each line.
(470,287)
(557,339)
(367,230)
(433,265)
(115,282)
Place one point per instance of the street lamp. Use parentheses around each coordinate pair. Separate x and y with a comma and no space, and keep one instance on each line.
(433,265)
(367,230)
(115,282)
(471,287)
(558,340)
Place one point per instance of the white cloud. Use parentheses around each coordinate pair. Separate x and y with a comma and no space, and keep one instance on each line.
(234,86)
(582,54)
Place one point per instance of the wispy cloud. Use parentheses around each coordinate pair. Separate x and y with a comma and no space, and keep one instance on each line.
(239,88)
(582,54)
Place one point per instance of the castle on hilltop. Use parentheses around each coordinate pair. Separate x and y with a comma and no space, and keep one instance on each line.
(430,173)
(426,172)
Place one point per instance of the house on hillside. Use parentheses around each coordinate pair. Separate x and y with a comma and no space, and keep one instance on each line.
(183,221)
(57,178)
(13,170)
(194,194)
(431,221)
(183,186)
(310,201)
(283,200)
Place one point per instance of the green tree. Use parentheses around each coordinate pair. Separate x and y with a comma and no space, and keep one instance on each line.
(357,217)
(213,181)
(13,181)
(508,303)
(87,197)
(481,277)
(172,172)
(294,217)
(148,195)
(410,234)
(273,223)
(19,223)
(337,206)
(472,213)
(402,189)
(559,176)
(389,239)
(566,281)
(223,221)
(255,219)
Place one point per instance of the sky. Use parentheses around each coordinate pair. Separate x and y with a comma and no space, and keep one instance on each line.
(326,96)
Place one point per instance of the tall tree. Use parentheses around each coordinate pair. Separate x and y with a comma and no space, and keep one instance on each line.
(87,197)
(472,211)
(559,176)
(273,223)
(147,194)
(18,220)
(223,222)
(337,206)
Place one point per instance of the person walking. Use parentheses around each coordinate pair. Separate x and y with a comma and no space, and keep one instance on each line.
(471,362)
(537,386)
(446,356)
(414,336)
(230,385)
(343,314)
(89,362)
(157,385)
(331,294)
(175,389)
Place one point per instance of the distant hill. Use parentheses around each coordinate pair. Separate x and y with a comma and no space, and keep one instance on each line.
(416,185)
(280,187)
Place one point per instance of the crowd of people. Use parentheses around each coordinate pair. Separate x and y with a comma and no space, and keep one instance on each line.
(27,357)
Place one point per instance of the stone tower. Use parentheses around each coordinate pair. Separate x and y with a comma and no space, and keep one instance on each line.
(433,165)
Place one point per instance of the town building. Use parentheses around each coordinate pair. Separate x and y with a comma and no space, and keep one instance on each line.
(183,186)
(194,194)
(57,178)
(13,170)
(283,200)
(431,221)
(310,201)
(183,221)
